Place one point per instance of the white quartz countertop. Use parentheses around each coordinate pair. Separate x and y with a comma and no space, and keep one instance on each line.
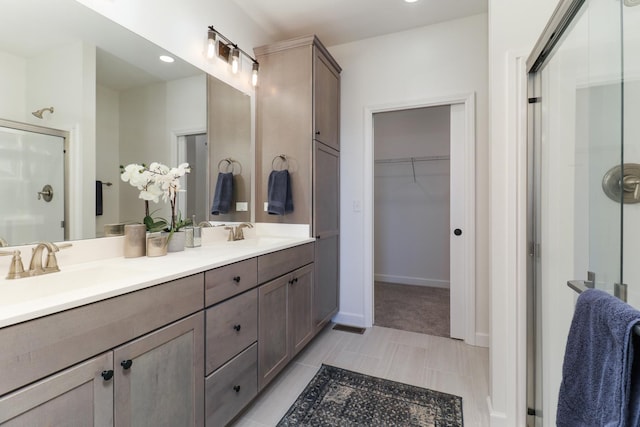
(87,282)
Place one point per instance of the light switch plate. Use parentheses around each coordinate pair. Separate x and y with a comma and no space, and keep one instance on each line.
(242,206)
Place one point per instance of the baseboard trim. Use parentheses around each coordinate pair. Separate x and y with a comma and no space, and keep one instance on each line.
(350,319)
(482,339)
(417,281)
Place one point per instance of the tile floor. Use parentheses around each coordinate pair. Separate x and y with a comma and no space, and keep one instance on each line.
(442,364)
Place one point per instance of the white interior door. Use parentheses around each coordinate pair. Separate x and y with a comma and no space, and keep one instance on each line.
(462,306)
(32,186)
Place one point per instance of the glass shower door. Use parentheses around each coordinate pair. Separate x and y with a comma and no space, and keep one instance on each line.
(578,218)
(31,186)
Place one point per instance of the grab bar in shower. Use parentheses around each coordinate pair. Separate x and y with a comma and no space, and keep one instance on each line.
(582,285)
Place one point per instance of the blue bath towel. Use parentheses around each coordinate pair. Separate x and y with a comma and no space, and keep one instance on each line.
(223,196)
(279,200)
(600,379)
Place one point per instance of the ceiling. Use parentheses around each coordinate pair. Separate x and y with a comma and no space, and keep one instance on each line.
(342,21)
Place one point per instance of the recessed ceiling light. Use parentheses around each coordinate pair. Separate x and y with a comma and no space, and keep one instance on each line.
(166,58)
(411,1)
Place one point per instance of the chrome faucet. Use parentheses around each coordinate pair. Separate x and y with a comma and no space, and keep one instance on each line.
(237,233)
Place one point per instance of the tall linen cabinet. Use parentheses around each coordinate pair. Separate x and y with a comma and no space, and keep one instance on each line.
(298,118)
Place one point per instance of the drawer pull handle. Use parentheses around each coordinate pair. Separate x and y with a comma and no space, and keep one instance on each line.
(237,327)
(317,132)
(295,280)
(107,375)
(236,279)
(236,388)
(126,364)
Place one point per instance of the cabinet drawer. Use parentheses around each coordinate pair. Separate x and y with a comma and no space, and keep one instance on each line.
(231,388)
(42,346)
(278,263)
(225,282)
(231,327)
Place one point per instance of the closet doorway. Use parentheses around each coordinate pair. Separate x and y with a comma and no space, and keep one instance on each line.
(422,218)
(411,223)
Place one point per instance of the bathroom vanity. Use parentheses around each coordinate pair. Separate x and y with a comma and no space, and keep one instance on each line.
(186,339)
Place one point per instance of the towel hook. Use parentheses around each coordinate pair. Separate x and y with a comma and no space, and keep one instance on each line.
(285,162)
(230,163)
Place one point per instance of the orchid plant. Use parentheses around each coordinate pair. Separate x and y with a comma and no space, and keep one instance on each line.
(155,181)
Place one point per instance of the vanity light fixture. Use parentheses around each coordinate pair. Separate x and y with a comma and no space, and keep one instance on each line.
(230,52)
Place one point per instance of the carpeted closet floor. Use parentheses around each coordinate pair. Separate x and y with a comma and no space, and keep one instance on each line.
(412,308)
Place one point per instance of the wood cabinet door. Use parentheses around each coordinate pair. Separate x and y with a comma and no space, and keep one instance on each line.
(326,102)
(78,396)
(301,325)
(273,335)
(326,229)
(159,378)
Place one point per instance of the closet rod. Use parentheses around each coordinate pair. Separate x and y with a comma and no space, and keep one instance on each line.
(413,159)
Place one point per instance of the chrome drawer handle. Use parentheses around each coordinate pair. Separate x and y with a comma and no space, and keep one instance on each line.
(237,327)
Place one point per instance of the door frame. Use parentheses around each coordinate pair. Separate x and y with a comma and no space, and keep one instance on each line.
(465,259)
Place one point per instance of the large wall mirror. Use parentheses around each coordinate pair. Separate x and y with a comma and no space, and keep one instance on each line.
(81,96)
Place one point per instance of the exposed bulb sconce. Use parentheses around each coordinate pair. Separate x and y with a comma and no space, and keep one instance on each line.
(211,43)
(235,60)
(254,73)
(38,113)
(230,52)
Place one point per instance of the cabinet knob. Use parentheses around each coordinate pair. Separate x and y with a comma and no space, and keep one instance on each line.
(457,232)
(236,388)
(317,132)
(236,279)
(126,364)
(237,327)
(295,280)
(107,375)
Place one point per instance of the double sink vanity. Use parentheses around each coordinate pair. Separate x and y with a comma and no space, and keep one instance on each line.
(185,339)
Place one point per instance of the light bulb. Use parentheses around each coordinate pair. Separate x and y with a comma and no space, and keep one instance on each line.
(211,44)
(254,74)
(235,61)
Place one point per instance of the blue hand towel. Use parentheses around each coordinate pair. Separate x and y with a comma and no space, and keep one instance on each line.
(598,378)
(222,198)
(279,200)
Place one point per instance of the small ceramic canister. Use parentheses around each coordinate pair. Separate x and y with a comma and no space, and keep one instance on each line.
(135,240)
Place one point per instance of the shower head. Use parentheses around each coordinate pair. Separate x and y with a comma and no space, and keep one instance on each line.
(38,113)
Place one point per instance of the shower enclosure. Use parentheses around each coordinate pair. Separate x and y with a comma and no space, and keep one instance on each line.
(584,151)
(32,183)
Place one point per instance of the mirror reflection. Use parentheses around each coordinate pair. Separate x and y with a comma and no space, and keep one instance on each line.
(66,69)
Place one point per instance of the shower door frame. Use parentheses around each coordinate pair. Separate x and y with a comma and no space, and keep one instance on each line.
(559,22)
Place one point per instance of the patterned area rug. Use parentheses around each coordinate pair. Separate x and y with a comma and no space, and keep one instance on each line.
(337,397)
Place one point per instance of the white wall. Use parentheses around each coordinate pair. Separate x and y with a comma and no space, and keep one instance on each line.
(108,155)
(411,223)
(13,82)
(514,26)
(418,65)
(150,117)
